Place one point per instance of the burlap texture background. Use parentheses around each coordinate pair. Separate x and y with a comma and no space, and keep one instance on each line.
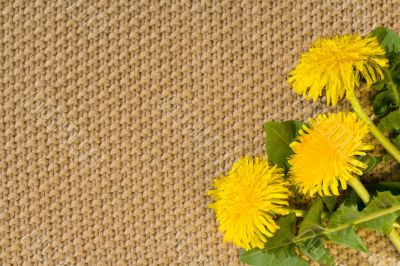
(115,117)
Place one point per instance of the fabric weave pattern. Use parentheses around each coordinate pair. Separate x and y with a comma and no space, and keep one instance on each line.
(116,116)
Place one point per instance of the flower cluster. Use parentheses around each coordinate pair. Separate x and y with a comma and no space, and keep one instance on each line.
(253,193)
(319,158)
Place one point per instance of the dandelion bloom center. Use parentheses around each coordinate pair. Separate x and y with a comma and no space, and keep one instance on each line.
(247,199)
(325,153)
(338,65)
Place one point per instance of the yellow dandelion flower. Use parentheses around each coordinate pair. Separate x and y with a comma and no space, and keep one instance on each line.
(247,199)
(337,65)
(326,153)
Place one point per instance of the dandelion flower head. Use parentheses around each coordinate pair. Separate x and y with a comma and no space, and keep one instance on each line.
(325,153)
(246,201)
(337,65)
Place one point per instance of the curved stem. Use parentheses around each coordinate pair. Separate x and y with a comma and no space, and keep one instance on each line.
(390,148)
(365,197)
(395,238)
(359,189)
(374,130)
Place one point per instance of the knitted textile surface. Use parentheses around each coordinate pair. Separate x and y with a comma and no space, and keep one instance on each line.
(115,116)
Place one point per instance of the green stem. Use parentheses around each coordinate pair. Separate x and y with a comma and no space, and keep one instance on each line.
(390,148)
(396,97)
(359,189)
(364,195)
(299,213)
(393,234)
(303,213)
(374,130)
(395,238)
(360,220)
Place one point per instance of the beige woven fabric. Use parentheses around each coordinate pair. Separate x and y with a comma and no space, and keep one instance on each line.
(116,115)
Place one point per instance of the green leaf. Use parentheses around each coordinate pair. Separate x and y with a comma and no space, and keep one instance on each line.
(380,33)
(346,236)
(311,226)
(315,249)
(391,122)
(312,221)
(396,141)
(279,248)
(383,101)
(285,234)
(387,157)
(371,161)
(394,60)
(289,258)
(279,135)
(351,197)
(391,42)
(330,202)
(388,39)
(382,224)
